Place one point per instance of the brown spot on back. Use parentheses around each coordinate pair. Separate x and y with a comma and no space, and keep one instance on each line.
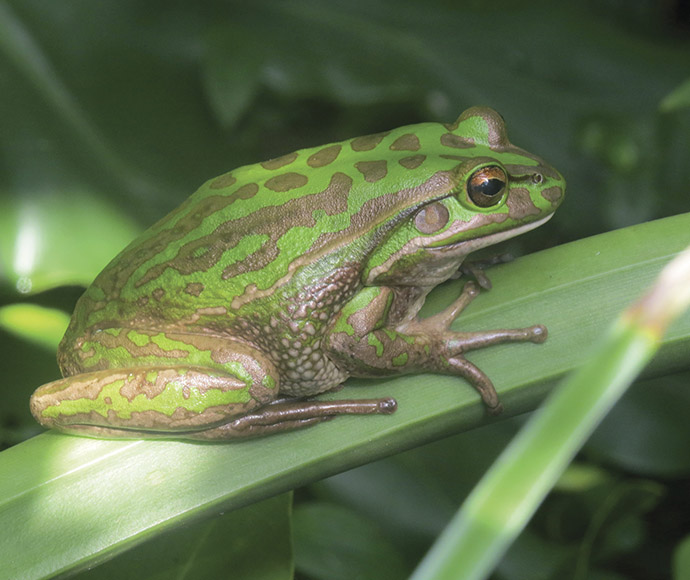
(279,162)
(158,293)
(372,170)
(245,192)
(222,181)
(212,311)
(194,288)
(188,223)
(368,142)
(385,207)
(455,141)
(407,142)
(376,217)
(412,162)
(270,220)
(324,156)
(286,182)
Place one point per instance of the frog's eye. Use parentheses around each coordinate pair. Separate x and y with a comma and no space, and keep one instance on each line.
(486,186)
(431,218)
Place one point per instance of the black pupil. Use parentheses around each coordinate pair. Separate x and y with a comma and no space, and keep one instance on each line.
(491,187)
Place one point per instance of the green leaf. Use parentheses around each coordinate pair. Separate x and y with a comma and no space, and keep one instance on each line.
(677,99)
(45,239)
(648,430)
(251,543)
(81,500)
(507,497)
(334,543)
(232,68)
(22,51)
(238,56)
(681,560)
(43,326)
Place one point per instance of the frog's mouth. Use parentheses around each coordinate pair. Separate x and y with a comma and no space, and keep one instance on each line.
(465,247)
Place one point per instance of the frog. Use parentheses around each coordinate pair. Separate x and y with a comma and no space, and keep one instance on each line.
(277,281)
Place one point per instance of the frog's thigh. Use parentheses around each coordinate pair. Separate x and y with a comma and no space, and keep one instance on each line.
(153,399)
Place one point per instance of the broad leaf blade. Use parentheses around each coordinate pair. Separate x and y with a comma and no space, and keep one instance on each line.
(81,500)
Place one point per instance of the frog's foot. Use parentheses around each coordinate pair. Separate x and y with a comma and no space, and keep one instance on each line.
(439,324)
(452,345)
(288,415)
(449,347)
(480,381)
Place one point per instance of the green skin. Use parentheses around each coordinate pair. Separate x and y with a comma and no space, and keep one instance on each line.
(280,280)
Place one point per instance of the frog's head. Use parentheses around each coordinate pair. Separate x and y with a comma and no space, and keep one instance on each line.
(482,190)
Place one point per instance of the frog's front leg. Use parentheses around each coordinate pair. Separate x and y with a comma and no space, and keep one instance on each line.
(366,344)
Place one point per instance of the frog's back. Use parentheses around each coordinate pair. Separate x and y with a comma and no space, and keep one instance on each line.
(257,224)
(248,232)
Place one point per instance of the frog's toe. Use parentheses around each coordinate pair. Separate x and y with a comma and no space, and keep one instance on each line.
(538,333)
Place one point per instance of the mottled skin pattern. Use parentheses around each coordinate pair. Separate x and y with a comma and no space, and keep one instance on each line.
(282,279)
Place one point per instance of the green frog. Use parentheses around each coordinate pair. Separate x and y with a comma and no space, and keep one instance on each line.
(277,281)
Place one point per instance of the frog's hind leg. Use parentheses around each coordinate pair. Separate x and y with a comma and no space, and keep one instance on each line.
(152,401)
(288,415)
(186,402)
